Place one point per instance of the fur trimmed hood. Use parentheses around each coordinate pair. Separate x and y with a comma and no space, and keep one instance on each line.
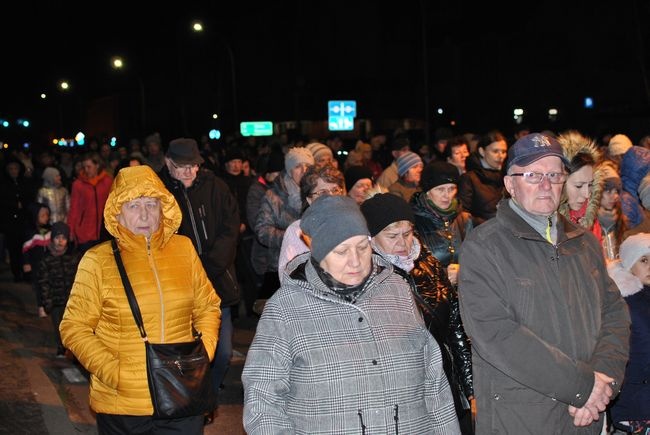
(574,143)
(627,282)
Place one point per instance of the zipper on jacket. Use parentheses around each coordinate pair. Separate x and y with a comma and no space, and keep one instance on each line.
(396,418)
(363,426)
(160,294)
(197,237)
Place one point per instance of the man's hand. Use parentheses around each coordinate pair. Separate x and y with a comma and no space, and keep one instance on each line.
(598,400)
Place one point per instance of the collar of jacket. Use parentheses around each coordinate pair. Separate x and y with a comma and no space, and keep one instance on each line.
(512,222)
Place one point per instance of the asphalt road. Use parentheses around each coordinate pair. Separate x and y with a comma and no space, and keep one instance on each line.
(41,394)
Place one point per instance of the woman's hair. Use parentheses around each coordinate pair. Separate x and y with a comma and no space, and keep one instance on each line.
(580,160)
(327,173)
(489,137)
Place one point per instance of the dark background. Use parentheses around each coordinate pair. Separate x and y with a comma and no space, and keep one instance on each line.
(399,62)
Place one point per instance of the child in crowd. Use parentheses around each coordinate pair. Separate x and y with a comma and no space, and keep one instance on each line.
(631,410)
(55,277)
(37,240)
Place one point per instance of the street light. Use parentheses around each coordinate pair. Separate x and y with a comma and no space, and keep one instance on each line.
(117,63)
(197,26)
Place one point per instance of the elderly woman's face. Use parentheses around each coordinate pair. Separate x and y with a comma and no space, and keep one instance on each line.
(350,261)
(141,215)
(443,195)
(395,239)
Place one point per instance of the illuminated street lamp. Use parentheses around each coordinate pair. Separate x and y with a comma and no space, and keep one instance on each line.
(197,26)
(117,63)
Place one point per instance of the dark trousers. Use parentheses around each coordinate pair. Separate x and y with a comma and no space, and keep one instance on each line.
(57,315)
(111,424)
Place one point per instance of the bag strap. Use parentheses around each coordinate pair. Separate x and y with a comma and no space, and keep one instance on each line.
(133,303)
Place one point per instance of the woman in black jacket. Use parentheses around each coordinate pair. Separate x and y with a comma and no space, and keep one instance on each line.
(390,221)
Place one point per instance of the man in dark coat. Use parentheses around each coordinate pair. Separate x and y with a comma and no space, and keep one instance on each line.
(211,220)
(549,328)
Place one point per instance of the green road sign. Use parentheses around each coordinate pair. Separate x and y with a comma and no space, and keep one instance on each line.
(256,128)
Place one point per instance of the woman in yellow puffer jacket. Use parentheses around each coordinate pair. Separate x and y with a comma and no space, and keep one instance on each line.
(173,293)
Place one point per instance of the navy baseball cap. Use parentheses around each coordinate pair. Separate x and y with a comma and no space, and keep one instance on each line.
(532,147)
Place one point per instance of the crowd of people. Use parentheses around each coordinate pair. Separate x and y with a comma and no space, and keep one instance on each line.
(483,287)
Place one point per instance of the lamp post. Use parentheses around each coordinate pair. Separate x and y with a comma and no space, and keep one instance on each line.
(117,63)
(197,26)
(64,87)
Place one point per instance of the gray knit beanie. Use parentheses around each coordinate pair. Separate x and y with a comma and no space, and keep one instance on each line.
(330,220)
(296,156)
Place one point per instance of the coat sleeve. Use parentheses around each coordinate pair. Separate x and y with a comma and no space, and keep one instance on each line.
(206,313)
(500,340)
(80,319)
(266,376)
(266,229)
(74,212)
(439,400)
(223,250)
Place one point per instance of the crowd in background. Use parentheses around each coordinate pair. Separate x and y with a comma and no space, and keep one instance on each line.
(445,189)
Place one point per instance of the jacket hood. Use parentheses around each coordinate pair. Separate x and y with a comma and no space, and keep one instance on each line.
(574,143)
(135,182)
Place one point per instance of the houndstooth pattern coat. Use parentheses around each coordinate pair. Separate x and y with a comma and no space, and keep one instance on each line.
(321,365)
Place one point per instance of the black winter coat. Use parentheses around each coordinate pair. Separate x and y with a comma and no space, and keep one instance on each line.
(438,303)
(55,277)
(211,220)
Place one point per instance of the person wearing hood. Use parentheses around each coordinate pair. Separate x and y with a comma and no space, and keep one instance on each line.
(583,188)
(341,346)
(631,411)
(172,289)
(55,276)
(54,194)
(35,246)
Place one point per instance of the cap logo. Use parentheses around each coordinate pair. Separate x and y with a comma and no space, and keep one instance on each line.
(541,141)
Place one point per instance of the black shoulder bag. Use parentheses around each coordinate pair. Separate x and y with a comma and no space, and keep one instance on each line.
(178,373)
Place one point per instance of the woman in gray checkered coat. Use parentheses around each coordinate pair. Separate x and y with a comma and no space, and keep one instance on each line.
(341,347)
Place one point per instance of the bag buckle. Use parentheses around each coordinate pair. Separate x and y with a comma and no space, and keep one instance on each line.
(179,366)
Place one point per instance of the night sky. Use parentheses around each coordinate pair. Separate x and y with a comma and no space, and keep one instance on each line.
(291,57)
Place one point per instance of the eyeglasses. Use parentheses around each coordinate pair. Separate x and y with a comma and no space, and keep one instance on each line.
(183,167)
(537,177)
(333,191)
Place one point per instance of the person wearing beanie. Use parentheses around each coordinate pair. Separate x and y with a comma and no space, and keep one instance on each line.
(618,144)
(631,411)
(391,224)
(358,180)
(634,168)
(440,219)
(409,170)
(481,188)
(339,305)
(281,205)
(54,194)
(323,154)
(398,146)
(549,328)
(54,278)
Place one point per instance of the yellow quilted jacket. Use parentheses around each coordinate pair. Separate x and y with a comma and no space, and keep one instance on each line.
(171,287)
